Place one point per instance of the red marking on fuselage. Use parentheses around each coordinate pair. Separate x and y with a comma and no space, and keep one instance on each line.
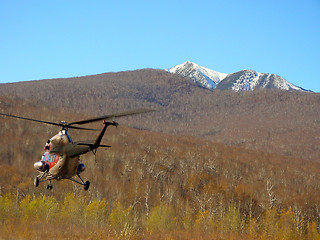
(50,159)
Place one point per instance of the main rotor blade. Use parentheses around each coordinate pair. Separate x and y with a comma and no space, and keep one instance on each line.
(31,119)
(82,128)
(123,114)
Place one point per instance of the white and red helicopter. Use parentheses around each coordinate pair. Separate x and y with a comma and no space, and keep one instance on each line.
(61,158)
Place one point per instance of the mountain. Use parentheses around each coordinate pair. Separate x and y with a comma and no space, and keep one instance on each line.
(269,120)
(242,80)
(204,76)
(250,80)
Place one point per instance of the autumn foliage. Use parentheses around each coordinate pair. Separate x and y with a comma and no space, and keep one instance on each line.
(152,186)
(75,217)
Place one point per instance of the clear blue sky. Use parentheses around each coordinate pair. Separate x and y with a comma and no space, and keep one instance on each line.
(52,38)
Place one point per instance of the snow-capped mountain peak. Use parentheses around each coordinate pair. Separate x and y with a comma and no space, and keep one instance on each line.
(250,80)
(239,81)
(204,76)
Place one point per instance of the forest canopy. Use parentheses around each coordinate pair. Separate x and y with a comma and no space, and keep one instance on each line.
(219,165)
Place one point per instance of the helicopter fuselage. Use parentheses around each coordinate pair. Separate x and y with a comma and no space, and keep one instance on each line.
(58,165)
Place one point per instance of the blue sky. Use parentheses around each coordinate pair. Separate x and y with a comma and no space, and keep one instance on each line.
(52,39)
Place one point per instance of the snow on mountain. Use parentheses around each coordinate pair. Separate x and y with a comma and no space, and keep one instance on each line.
(240,81)
(250,80)
(204,76)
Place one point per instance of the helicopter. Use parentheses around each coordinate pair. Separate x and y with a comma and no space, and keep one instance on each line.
(61,157)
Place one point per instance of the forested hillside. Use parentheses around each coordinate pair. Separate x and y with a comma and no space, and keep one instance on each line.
(272,121)
(152,186)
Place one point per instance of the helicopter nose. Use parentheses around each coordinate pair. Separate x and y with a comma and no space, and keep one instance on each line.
(39,166)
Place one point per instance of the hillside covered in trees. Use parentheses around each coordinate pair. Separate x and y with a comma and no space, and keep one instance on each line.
(272,121)
(152,185)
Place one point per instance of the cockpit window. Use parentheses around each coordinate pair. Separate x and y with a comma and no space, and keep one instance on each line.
(51,159)
(47,157)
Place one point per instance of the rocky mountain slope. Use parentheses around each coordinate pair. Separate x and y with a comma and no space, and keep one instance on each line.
(204,76)
(250,80)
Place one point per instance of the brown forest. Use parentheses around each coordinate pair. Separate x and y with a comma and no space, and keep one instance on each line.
(273,121)
(188,184)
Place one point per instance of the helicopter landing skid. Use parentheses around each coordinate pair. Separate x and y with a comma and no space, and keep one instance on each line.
(85,185)
(48,177)
(38,180)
